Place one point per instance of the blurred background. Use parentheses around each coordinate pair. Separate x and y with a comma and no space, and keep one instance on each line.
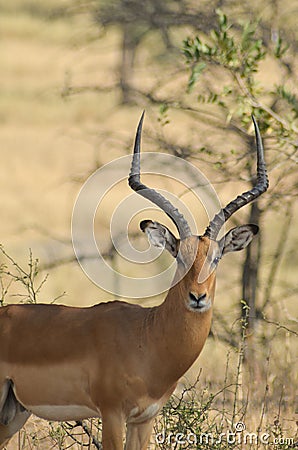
(75,76)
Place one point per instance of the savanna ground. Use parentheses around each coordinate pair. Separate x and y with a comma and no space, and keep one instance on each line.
(49,144)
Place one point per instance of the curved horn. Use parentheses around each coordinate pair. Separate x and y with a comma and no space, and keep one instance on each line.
(135,183)
(261,186)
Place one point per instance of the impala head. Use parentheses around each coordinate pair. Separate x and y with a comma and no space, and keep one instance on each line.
(198,256)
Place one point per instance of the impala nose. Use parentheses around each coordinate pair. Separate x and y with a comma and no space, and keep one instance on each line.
(197,301)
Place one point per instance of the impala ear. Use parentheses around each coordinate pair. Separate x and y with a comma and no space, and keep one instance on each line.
(160,236)
(238,238)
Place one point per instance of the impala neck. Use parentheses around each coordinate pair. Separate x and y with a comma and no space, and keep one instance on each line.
(180,332)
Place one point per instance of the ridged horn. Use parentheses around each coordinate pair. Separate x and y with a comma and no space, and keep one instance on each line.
(261,186)
(149,193)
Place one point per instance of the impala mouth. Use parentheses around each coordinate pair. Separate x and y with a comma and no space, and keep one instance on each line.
(199,302)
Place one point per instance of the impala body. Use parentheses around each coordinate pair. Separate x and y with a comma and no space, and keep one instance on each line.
(115,360)
(107,360)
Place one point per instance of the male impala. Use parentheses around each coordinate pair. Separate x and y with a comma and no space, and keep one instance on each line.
(115,360)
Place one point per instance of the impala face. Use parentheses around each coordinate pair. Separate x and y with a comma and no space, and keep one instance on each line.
(202,289)
(198,257)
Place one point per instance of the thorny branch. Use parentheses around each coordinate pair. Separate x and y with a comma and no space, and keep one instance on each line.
(95,442)
(25,278)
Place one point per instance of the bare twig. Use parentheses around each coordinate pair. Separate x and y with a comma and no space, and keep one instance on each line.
(280,326)
(89,434)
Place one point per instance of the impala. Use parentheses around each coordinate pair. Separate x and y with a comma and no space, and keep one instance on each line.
(116,360)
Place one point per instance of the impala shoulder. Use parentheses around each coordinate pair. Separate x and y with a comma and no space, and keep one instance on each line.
(119,311)
(115,305)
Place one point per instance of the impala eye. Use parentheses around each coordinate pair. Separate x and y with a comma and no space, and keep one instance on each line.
(216,260)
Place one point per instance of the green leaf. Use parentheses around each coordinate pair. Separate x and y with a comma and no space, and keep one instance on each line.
(280,48)
(163,108)
(195,74)
(289,97)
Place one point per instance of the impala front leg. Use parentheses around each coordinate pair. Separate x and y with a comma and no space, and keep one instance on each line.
(138,435)
(112,431)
